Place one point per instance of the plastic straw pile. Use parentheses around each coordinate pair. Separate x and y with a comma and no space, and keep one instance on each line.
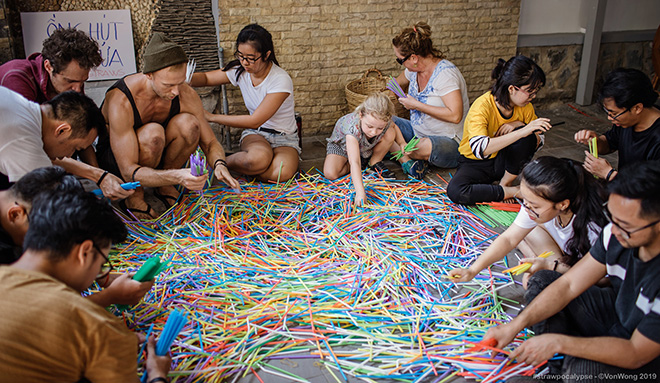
(279,273)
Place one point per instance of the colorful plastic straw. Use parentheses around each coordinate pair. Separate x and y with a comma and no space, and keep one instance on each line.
(394,86)
(523,267)
(293,271)
(410,147)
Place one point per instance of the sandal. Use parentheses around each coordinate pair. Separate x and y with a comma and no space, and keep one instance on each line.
(132,211)
(165,199)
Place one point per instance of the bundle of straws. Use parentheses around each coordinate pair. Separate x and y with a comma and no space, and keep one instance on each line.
(294,272)
(394,86)
(523,267)
(410,147)
(173,327)
(197,164)
(593,146)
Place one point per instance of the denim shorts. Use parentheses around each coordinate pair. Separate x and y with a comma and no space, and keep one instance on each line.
(444,150)
(276,140)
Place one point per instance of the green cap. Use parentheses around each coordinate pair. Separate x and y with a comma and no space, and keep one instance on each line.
(162,52)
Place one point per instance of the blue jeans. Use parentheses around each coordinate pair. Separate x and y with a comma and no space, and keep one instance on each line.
(444,150)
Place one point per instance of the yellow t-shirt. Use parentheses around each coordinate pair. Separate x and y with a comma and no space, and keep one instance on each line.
(49,333)
(483,120)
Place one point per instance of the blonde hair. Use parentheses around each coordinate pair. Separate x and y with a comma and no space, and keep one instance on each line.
(378,105)
(416,40)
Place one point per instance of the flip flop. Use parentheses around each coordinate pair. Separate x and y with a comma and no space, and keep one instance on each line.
(131,211)
(165,199)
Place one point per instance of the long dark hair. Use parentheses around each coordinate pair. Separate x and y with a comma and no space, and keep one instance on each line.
(518,71)
(557,179)
(260,39)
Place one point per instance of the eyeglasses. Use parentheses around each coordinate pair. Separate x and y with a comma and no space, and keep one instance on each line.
(401,61)
(526,206)
(106,267)
(626,234)
(239,56)
(609,114)
(529,94)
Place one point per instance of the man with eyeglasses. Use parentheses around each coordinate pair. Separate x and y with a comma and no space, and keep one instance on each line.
(48,332)
(602,331)
(155,121)
(628,99)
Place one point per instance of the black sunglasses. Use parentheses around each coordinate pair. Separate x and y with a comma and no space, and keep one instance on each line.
(401,61)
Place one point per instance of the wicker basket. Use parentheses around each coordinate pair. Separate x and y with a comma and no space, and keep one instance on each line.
(358,90)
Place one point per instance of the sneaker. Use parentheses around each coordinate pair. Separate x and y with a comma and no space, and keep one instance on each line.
(415,168)
(382,170)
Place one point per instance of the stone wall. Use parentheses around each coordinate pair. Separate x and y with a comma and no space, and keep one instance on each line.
(323,44)
(561,65)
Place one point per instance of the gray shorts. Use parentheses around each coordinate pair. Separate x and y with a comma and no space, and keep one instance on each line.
(276,140)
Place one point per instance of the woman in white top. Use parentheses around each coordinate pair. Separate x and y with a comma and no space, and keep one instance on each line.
(437,99)
(561,211)
(269,143)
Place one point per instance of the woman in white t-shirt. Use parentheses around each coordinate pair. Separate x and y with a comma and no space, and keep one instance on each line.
(561,211)
(269,143)
(437,99)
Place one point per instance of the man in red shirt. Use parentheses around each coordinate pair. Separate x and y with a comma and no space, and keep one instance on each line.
(63,64)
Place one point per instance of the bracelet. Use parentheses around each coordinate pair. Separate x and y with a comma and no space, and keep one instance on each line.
(220,160)
(135,171)
(159,379)
(556,264)
(105,173)
(609,174)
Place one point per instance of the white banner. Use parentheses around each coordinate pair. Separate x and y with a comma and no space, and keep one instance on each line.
(111,29)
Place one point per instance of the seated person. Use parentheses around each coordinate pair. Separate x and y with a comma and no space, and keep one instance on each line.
(628,98)
(155,121)
(561,211)
(437,100)
(36,135)
(364,135)
(500,135)
(15,206)
(601,330)
(64,63)
(269,143)
(48,332)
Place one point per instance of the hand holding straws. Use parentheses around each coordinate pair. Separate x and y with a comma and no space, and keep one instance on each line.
(411,146)
(151,267)
(395,87)
(593,146)
(197,164)
(523,267)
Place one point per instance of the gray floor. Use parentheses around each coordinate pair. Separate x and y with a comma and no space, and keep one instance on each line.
(559,142)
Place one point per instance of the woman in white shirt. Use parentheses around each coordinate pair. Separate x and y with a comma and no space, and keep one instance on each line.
(269,143)
(561,211)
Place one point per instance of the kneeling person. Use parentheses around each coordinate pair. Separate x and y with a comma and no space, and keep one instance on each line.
(155,121)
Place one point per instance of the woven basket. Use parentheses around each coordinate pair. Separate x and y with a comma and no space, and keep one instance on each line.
(358,90)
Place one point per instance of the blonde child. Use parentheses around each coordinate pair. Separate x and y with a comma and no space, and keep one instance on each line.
(364,135)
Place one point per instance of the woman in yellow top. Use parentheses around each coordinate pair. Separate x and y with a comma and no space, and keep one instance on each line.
(500,135)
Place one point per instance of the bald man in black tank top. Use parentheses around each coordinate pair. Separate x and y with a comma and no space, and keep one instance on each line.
(155,121)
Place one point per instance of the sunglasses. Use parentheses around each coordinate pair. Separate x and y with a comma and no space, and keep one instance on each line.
(401,61)
(626,234)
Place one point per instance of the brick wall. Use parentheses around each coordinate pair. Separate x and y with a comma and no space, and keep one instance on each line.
(5,43)
(326,43)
